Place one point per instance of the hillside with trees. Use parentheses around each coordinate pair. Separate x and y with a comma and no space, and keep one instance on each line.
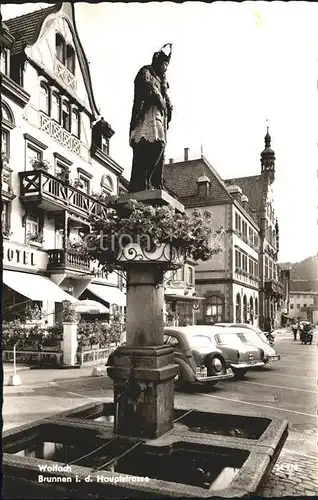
(304,274)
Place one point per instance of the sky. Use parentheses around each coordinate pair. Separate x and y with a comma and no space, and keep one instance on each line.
(233,67)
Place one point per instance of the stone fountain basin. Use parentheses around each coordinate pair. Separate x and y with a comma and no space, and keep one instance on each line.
(181,463)
(226,427)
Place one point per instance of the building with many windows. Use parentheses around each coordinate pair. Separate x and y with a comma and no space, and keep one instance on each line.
(56,164)
(240,284)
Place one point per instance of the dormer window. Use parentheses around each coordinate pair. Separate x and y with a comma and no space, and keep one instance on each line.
(60,47)
(105,145)
(44,98)
(70,59)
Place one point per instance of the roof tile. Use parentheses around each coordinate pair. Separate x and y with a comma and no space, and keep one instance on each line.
(26,29)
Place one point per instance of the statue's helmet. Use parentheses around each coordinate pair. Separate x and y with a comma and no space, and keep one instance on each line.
(161,55)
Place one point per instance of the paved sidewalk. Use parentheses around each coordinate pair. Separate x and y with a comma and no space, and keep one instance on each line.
(41,377)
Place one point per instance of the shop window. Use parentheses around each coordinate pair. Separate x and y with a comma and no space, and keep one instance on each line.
(44,98)
(56,107)
(70,59)
(4,61)
(60,47)
(105,145)
(66,119)
(213,310)
(75,123)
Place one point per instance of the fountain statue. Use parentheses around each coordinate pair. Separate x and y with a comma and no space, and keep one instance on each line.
(151,115)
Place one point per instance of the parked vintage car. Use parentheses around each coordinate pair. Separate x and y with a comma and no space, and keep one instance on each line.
(199,359)
(248,326)
(240,355)
(250,335)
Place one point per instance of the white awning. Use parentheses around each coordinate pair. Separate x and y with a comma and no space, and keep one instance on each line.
(109,294)
(36,287)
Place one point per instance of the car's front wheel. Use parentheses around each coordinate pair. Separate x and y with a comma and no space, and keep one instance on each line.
(215,364)
(239,373)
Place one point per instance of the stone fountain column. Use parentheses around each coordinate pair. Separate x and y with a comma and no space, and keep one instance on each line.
(143,370)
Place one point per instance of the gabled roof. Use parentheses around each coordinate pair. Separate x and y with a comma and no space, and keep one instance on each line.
(252,188)
(26,29)
(181,178)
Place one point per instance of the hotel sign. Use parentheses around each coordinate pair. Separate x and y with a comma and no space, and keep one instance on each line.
(16,255)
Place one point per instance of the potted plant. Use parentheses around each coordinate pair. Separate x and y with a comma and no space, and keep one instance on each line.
(35,238)
(64,175)
(77,183)
(69,313)
(39,164)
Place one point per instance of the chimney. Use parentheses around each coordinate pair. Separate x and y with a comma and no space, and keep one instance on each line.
(170,161)
(244,201)
(236,192)
(204,185)
(186,154)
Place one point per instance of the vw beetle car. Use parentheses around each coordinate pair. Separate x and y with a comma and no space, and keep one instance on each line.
(199,359)
(254,336)
(240,355)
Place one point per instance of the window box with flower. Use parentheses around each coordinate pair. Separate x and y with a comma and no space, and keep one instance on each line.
(77,183)
(39,164)
(64,175)
(35,239)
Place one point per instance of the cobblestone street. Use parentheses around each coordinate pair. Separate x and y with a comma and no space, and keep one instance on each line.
(293,475)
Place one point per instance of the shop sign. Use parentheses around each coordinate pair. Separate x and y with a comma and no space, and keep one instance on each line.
(16,255)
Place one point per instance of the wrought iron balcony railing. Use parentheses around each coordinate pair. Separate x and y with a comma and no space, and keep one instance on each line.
(59,259)
(57,132)
(50,193)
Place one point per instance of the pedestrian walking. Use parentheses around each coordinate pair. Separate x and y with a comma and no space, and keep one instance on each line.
(295,330)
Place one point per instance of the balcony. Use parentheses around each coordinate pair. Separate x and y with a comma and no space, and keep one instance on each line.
(57,132)
(45,191)
(64,74)
(274,288)
(63,260)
